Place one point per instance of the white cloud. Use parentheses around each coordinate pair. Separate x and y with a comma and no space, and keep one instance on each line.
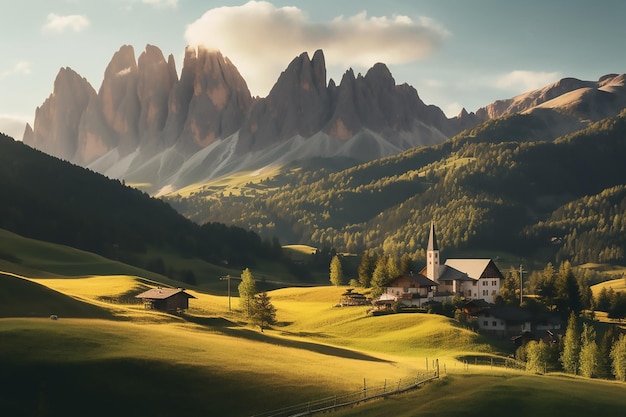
(161,3)
(20,68)
(261,39)
(58,24)
(523,81)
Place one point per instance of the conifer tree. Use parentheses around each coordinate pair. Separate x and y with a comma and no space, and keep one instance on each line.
(264,312)
(365,270)
(379,276)
(589,352)
(406,264)
(618,358)
(571,346)
(247,291)
(336,271)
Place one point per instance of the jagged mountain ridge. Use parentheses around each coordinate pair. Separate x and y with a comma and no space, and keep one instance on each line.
(146,125)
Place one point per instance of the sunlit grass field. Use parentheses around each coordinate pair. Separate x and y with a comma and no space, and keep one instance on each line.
(107,355)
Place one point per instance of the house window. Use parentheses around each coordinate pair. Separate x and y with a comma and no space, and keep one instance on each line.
(494,323)
(494,283)
(486,323)
(485,292)
(469,293)
(474,284)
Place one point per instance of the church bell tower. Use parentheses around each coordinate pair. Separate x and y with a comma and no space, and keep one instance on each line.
(432,255)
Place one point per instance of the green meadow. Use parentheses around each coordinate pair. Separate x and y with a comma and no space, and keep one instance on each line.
(107,355)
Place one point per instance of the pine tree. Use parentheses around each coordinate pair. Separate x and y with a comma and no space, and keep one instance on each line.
(568,292)
(604,365)
(263,312)
(336,271)
(247,291)
(618,357)
(571,346)
(589,352)
(406,264)
(366,267)
(392,268)
(379,277)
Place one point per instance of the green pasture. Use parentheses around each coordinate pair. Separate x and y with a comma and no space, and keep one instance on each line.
(107,355)
(506,394)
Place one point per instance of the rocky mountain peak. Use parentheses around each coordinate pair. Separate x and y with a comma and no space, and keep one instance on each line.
(57,120)
(298,104)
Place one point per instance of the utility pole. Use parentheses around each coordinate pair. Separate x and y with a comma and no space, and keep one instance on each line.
(227,278)
(521,285)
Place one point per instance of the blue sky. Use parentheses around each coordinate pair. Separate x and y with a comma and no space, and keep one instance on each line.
(456,53)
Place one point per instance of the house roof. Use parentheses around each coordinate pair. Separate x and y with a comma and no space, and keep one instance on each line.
(419,280)
(508,313)
(473,267)
(162,293)
(449,273)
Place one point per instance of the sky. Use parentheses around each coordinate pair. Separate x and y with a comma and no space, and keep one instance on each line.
(455,53)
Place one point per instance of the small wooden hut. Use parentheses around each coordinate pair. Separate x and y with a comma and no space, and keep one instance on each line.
(165,299)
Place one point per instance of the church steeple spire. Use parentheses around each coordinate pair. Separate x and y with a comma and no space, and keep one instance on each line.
(432,255)
(432,238)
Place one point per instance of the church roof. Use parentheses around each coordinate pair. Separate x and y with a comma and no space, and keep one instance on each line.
(473,267)
(448,273)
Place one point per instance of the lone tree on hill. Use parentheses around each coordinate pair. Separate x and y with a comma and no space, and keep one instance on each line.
(336,271)
(247,291)
(264,312)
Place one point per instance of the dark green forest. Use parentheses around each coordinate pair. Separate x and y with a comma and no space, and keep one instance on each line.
(511,184)
(52,200)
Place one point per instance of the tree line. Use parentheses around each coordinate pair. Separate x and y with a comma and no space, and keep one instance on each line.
(501,186)
(52,200)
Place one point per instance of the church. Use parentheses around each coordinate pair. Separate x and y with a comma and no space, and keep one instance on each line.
(470,278)
(467,278)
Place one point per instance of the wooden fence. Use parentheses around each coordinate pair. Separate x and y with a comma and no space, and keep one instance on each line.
(345,400)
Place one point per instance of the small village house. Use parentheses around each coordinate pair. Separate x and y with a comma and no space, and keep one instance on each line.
(165,299)
(410,289)
(352,298)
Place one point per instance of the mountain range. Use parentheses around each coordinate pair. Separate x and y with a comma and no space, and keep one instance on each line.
(148,126)
(360,165)
(163,132)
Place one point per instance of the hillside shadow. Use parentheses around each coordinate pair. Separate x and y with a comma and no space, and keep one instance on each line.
(229,328)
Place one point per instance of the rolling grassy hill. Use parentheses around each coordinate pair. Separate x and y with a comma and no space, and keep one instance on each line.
(209,362)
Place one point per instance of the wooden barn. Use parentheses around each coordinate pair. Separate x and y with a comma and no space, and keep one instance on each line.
(165,299)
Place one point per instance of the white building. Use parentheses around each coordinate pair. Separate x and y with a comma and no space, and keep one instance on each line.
(469,278)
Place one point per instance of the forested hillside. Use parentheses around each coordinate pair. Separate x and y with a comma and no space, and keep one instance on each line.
(52,200)
(505,185)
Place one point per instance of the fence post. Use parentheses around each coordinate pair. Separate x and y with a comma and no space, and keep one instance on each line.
(385,386)
(399,381)
(364,389)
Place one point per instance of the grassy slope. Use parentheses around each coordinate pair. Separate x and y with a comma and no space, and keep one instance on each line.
(211,364)
(512,395)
